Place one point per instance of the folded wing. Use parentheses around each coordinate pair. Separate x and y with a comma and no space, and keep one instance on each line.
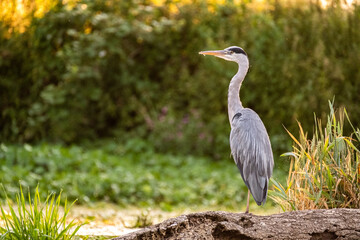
(251,150)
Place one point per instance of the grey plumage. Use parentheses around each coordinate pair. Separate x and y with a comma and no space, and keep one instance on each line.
(251,150)
(249,142)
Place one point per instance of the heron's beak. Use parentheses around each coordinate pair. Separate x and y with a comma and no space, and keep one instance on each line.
(216,53)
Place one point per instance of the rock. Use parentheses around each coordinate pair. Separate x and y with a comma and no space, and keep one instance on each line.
(309,224)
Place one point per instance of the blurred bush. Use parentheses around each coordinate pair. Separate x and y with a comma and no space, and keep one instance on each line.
(94,69)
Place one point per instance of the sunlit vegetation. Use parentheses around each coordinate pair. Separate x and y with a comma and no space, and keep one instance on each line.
(17,14)
(325,169)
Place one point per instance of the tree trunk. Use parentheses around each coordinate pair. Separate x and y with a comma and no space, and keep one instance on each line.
(309,224)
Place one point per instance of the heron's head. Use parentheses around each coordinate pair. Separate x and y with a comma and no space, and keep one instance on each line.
(233,53)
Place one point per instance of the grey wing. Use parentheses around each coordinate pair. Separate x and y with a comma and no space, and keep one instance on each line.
(251,150)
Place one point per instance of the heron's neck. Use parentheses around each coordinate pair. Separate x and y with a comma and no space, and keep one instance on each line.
(234,103)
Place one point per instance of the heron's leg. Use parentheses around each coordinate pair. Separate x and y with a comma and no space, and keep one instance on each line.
(247,205)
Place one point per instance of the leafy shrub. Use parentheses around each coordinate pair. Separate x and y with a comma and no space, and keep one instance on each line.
(93,69)
(129,174)
(325,170)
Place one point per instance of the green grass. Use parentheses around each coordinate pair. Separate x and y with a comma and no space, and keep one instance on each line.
(37,220)
(125,175)
(324,170)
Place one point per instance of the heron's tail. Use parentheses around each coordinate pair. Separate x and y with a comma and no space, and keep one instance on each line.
(260,195)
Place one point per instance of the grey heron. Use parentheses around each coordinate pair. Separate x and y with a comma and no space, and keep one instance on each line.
(249,141)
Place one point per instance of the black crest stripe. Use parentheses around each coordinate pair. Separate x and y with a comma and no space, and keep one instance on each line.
(238,50)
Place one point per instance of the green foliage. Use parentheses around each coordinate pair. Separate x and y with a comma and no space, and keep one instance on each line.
(105,68)
(124,174)
(324,171)
(37,220)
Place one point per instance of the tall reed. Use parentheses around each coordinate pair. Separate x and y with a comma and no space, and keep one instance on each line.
(324,171)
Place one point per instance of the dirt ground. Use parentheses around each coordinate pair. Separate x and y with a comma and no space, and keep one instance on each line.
(111,220)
